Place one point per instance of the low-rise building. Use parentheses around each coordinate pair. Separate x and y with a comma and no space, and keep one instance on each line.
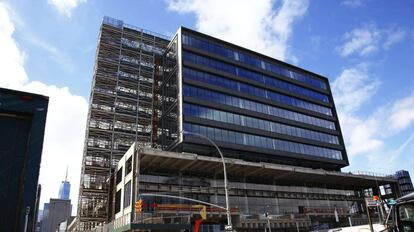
(293,197)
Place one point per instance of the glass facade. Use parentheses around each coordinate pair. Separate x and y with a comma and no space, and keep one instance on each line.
(204,94)
(262,142)
(246,99)
(250,60)
(241,120)
(260,78)
(251,90)
(64,190)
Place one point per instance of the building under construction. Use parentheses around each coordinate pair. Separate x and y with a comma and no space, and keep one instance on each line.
(120,110)
(276,125)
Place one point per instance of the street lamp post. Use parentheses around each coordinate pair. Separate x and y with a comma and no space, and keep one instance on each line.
(229,226)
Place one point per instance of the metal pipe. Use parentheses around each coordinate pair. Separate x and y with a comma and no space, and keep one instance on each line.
(229,226)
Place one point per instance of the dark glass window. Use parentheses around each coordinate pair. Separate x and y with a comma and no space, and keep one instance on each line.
(265,142)
(128,166)
(118,201)
(250,60)
(119,176)
(245,88)
(127,194)
(261,78)
(191,91)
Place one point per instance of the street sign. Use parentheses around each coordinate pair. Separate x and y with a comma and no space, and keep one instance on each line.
(370,202)
(228,228)
(392,202)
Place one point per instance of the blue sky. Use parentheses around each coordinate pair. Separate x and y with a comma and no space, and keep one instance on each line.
(364,47)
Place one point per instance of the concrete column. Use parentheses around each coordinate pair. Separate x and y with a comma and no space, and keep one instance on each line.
(246,201)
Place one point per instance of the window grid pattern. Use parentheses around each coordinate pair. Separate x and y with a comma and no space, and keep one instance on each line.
(262,142)
(250,60)
(246,74)
(245,88)
(241,120)
(219,98)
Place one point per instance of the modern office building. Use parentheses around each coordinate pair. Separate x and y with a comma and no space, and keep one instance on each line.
(404,182)
(120,110)
(22,126)
(275,123)
(254,107)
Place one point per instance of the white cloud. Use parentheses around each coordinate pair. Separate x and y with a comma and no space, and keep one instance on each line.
(393,37)
(402,113)
(368,39)
(401,148)
(351,89)
(65,7)
(252,24)
(367,135)
(362,41)
(354,87)
(11,59)
(65,125)
(353,3)
(55,54)
(360,134)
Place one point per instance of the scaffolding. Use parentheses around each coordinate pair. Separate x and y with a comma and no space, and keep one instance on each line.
(120,111)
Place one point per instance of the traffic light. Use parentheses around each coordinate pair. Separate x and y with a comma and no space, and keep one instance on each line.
(139,206)
(203,212)
(375,198)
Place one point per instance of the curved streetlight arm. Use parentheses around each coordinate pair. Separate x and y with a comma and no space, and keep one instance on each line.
(182,198)
(224,170)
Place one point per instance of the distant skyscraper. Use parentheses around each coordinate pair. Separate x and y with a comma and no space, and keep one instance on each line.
(64,190)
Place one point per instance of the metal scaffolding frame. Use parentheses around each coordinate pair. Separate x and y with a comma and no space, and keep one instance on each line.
(120,111)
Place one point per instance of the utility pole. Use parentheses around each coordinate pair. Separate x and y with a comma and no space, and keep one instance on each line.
(229,226)
(268,221)
(26,218)
(369,216)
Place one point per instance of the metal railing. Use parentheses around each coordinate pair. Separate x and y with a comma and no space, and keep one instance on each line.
(119,24)
(374,174)
(122,221)
(155,218)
